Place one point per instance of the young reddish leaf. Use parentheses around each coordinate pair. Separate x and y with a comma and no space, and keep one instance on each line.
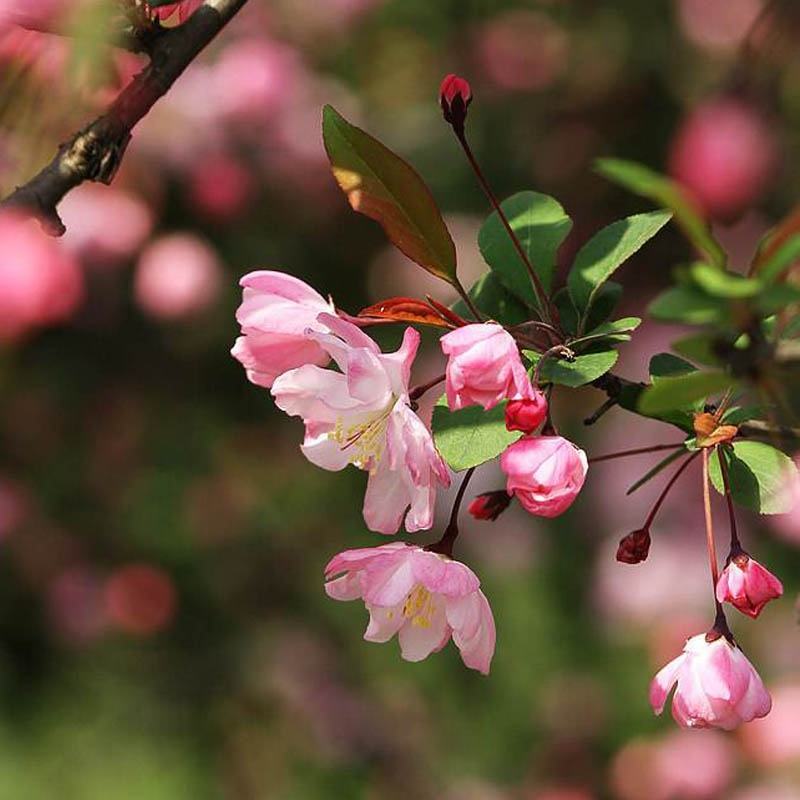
(405,309)
(447,313)
(382,186)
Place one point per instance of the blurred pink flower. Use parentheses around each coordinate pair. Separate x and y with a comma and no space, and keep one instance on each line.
(775,739)
(423,597)
(75,605)
(769,790)
(545,473)
(724,154)
(484,366)
(362,416)
(523,50)
(747,585)
(104,224)
(140,599)
(717,687)
(254,78)
(40,283)
(220,187)
(276,314)
(717,24)
(696,765)
(31,13)
(177,276)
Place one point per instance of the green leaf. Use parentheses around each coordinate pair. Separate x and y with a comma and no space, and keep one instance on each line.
(680,391)
(494,300)
(382,186)
(759,474)
(650,474)
(607,250)
(666,365)
(541,225)
(699,348)
(605,301)
(736,415)
(566,311)
(586,367)
(616,331)
(645,182)
(777,297)
(719,283)
(689,305)
(780,260)
(471,436)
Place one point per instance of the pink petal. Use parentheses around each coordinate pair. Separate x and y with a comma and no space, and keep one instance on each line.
(662,684)
(418,641)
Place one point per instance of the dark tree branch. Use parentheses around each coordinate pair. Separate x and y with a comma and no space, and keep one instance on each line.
(96,151)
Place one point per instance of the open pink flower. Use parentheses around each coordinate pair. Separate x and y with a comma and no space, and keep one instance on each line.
(545,473)
(484,366)
(361,415)
(423,597)
(276,313)
(717,687)
(747,585)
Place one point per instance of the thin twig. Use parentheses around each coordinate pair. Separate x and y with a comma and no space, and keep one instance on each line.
(736,545)
(638,451)
(710,544)
(663,496)
(445,544)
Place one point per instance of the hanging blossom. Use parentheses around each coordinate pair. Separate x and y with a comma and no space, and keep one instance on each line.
(424,597)
(747,585)
(362,416)
(276,312)
(717,687)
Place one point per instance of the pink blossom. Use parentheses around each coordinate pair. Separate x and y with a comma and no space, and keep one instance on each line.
(528,412)
(276,312)
(545,473)
(40,284)
(717,687)
(423,597)
(177,276)
(747,585)
(489,505)
(105,225)
(220,187)
(484,366)
(361,415)
(725,154)
(185,9)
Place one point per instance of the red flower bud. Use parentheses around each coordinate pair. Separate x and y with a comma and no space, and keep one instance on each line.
(634,547)
(489,505)
(526,414)
(455,95)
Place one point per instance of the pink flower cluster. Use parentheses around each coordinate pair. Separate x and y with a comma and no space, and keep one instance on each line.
(545,473)
(361,413)
(185,9)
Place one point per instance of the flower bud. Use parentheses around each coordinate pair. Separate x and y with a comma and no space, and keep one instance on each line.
(747,585)
(545,473)
(526,414)
(455,95)
(634,548)
(489,505)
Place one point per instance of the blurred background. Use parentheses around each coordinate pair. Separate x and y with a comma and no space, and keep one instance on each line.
(164,633)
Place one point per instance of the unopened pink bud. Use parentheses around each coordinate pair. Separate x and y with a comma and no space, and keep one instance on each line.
(455,95)
(747,585)
(489,505)
(526,414)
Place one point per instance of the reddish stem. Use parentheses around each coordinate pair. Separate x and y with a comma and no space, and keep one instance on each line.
(663,496)
(638,451)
